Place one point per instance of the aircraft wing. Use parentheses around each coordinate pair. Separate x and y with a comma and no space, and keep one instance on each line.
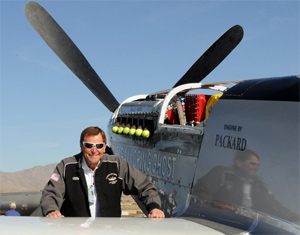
(107,226)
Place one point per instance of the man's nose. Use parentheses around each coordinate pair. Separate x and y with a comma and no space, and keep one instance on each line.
(94,148)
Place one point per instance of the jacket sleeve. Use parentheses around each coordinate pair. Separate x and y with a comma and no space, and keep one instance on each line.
(137,183)
(54,191)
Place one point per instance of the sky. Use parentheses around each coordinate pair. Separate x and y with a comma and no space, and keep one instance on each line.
(136,47)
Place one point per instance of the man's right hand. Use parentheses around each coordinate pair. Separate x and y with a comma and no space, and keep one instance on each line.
(55,214)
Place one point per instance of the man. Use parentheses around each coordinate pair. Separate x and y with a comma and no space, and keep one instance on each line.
(233,184)
(90,184)
(241,186)
(12,211)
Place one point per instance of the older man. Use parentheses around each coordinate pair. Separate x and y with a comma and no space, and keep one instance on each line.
(90,184)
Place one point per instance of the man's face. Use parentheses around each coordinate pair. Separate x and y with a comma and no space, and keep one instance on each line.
(93,155)
(251,165)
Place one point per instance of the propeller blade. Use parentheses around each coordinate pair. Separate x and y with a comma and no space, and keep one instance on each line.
(68,52)
(213,56)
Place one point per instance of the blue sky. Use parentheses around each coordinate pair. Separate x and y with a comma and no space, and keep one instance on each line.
(136,47)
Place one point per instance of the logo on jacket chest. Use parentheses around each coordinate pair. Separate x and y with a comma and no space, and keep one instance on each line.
(112,178)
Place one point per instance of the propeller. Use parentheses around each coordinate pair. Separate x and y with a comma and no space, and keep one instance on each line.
(68,52)
(213,56)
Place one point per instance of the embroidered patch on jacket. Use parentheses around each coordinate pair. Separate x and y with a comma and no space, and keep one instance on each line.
(75,178)
(55,177)
(112,178)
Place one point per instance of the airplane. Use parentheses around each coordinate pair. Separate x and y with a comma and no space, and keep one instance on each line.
(223,155)
(27,202)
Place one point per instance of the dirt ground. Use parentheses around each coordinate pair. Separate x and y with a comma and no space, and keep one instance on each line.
(129,207)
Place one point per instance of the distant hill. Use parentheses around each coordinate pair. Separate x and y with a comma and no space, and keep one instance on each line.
(33,179)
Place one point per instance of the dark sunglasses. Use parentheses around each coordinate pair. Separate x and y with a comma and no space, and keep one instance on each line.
(91,145)
(253,163)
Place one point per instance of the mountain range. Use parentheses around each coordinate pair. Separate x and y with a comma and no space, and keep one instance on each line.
(32,179)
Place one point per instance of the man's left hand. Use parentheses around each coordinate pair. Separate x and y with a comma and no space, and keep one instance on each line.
(156,213)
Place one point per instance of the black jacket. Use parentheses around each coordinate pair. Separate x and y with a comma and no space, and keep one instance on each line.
(225,184)
(67,188)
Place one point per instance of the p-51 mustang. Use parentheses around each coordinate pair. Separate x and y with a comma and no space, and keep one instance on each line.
(228,160)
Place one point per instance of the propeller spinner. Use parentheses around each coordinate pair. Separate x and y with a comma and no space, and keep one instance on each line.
(68,52)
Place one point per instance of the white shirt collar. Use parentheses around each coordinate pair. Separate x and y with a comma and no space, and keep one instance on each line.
(85,166)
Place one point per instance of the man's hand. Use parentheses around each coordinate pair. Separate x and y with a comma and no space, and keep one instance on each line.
(55,214)
(156,213)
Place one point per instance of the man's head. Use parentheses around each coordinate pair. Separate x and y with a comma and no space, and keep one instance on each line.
(248,160)
(92,144)
(13,205)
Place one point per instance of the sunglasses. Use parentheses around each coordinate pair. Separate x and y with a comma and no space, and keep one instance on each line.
(253,163)
(91,145)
